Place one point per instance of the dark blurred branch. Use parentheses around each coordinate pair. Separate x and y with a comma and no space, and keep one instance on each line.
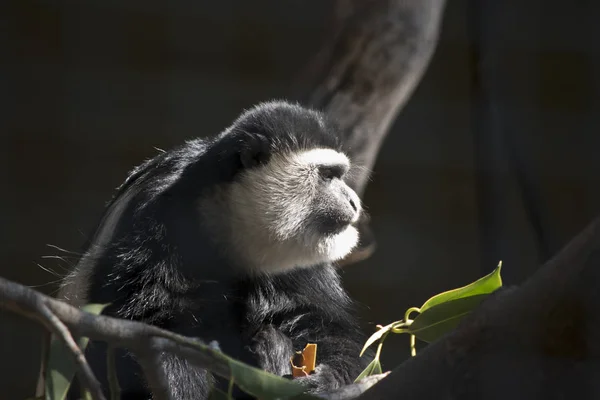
(537,341)
(373,66)
(146,342)
(501,149)
(368,71)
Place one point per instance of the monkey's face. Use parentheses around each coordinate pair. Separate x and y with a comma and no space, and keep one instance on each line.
(294,210)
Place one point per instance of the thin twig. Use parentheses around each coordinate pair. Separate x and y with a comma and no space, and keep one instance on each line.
(84,372)
(145,341)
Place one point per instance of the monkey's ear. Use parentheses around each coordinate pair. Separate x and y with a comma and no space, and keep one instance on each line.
(255,151)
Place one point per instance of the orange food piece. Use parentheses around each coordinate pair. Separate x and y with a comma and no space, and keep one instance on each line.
(304,362)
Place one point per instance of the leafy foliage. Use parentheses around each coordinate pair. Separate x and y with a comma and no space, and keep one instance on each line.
(436,317)
(482,286)
(60,366)
(262,384)
(442,318)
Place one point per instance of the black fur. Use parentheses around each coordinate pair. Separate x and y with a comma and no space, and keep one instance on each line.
(159,266)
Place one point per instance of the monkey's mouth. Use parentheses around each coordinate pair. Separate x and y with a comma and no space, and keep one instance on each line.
(331,226)
(363,218)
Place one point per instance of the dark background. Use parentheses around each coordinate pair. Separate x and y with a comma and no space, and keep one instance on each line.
(496,156)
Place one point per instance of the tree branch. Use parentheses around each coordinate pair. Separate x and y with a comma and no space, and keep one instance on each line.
(146,342)
(367,72)
(537,341)
(84,372)
(373,66)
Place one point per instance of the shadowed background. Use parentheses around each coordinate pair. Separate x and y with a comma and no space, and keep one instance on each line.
(494,157)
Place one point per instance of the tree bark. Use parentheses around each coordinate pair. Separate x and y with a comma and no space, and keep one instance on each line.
(367,73)
(537,341)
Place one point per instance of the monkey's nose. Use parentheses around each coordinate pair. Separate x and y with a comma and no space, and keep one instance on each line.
(356,210)
(353,205)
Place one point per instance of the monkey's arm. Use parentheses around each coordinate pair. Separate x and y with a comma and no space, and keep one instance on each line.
(273,350)
(185,381)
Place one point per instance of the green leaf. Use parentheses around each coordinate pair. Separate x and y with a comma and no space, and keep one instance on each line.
(111,371)
(95,309)
(377,335)
(264,385)
(485,285)
(61,366)
(255,381)
(373,368)
(442,318)
(261,383)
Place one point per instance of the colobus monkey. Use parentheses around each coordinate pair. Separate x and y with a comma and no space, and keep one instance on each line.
(232,239)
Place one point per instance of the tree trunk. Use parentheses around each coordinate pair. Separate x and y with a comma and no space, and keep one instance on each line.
(367,73)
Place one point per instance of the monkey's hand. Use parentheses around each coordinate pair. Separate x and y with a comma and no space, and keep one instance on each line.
(272,349)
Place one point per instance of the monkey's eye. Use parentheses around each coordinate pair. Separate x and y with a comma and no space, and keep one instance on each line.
(329,172)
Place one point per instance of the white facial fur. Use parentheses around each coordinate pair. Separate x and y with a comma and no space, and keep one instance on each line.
(269,209)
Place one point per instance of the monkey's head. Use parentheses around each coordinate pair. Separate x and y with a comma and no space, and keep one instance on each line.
(288,204)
